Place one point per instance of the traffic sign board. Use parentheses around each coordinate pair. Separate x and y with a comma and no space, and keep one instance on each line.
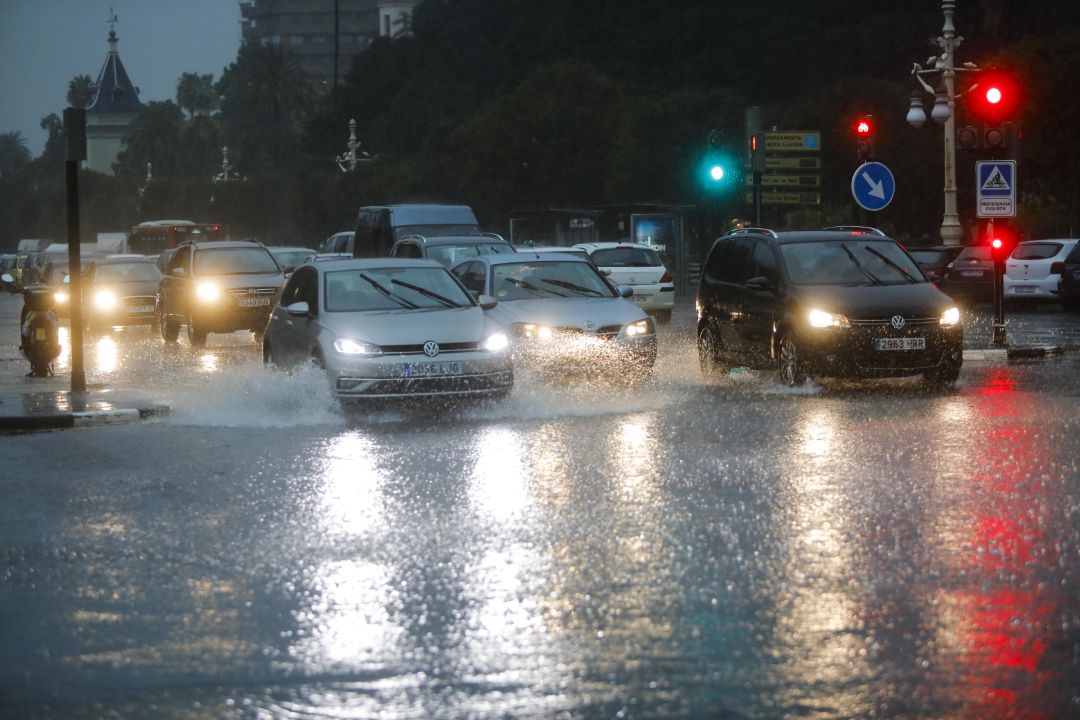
(873,186)
(800,141)
(793,163)
(786,197)
(788,181)
(995,185)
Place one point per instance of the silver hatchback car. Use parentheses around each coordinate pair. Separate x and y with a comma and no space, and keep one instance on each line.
(387,328)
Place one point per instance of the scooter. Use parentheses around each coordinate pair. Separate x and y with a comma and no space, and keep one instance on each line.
(39,328)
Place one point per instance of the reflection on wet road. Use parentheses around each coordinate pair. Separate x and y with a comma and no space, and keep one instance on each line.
(685,549)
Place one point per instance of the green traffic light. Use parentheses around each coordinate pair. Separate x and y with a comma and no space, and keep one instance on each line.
(716,172)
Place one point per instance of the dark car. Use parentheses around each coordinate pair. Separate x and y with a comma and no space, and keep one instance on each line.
(1070,280)
(934,261)
(450,249)
(120,291)
(824,303)
(970,277)
(218,287)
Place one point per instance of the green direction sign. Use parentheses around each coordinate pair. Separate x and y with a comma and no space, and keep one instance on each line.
(788,181)
(798,141)
(793,163)
(784,197)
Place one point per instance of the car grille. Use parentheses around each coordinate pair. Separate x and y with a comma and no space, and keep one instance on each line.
(242,292)
(140,301)
(605,332)
(457,385)
(419,349)
(887,322)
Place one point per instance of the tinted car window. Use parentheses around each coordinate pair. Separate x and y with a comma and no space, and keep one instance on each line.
(126,272)
(738,268)
(472,276)
(764,263)
(718,259)
(453,254)
(855,262)
(393,289)
(529,280)
(1074,256)
(928,257)
(1036,251)
(975,252)
(626,257)
(234,261)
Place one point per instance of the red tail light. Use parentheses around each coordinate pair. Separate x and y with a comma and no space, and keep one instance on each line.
(667,277)
(1057,268)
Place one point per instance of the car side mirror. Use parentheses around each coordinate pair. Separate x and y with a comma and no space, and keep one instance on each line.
(299,309)
(486,302)
(625,291)
(605,273)
(760,283)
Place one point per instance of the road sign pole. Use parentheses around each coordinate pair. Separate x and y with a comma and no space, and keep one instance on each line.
(75,151)
(998,338)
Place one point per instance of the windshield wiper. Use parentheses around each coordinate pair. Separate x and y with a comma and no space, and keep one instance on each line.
(426,293)
(399,300)
(873,278)
(905,273)
(525,285)
(571,286)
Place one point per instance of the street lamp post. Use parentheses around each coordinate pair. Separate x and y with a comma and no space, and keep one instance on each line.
(348,161)
(944,112)
(226,174)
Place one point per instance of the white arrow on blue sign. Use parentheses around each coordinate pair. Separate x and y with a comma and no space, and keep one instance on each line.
(873,186)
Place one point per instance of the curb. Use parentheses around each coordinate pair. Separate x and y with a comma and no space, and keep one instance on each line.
(89,418)
(995,355)
(1023,352)
(1033,351)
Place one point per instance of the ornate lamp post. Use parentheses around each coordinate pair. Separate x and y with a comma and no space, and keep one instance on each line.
(226,174)
(348,161)
(944,112)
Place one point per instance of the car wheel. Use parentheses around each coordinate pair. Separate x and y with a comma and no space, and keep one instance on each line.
(268,354)
(662,317)
(791,365)
(317,359)
(708,346)
(170,329)
(196,335)
(39,369)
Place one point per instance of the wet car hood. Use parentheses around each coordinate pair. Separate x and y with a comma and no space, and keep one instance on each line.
(126,289)
(875,301)
(410,327)
(245,280)
(573,312)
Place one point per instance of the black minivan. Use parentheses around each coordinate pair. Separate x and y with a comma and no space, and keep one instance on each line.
(830,303)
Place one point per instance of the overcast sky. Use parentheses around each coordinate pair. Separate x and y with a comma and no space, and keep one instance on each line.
(45,43)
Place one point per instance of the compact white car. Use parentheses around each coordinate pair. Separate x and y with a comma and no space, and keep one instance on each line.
(1033,270)
(638,266)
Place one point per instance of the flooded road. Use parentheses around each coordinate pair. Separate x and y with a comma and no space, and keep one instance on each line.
(584,549)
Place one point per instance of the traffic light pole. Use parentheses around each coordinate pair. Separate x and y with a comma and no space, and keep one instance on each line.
(997,253)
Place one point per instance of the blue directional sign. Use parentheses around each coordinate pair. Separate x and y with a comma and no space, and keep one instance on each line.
(995,185)
(873,186)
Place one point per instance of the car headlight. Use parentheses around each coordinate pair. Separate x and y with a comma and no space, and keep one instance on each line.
(104,300)
(207,291)
(641,327)
(348,346)
(822,319)
(495,342)
(532,331)
(61,297)
(950,317)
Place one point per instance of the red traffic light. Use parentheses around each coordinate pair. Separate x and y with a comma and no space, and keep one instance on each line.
(996,97)
(863,127)
(997,244)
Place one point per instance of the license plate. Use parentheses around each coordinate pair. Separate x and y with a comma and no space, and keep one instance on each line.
(1024,289)
(905,343)
(430,369)
(254,302)
(640,299)
(971,273)
(141,309)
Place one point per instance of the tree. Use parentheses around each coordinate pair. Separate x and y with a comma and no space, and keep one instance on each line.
(80,91)
(154,137)
(13,152)
(196,94)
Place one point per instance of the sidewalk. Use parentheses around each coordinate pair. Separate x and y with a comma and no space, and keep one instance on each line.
(25,406)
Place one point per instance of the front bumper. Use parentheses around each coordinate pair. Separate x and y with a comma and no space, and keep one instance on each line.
(132,310)
(472,374)
(579,351)
(852,352)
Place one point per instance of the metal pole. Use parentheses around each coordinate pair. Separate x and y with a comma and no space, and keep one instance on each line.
(951,231)
(78,374)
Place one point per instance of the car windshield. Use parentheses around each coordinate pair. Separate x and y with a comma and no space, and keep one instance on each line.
(1036,251)
(450,255)
(626,256)
(849,262)
(434,230)
(291,259)
(126,272)
(548,279)
(928,257)
(976,252)
(234,261)
(393,288)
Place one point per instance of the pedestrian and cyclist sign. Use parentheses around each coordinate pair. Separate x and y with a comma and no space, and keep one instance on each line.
(873,186)
(995,186)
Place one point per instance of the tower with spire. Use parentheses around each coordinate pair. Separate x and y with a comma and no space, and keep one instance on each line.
(113,107)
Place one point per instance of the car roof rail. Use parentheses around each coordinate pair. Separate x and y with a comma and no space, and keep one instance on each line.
(497,236)
(857,229)
(414,236)
(755,230)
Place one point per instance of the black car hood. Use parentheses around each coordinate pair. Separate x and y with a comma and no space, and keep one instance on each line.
(872,302)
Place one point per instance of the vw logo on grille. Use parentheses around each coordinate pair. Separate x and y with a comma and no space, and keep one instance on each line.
(431,348)
(897,321)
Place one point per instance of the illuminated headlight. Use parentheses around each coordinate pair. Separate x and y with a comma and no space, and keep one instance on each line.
(822,319)
(533,332)
(950,317)
(104,300)
(207,292)
(61,297)
(495,343)
(348,346)
(641,327)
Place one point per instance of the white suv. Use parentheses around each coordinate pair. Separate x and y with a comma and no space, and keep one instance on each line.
(1033,270)
(638,266)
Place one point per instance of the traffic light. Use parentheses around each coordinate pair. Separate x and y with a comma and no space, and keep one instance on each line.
(995,99)
(757,152)
(864,137)
(717,166)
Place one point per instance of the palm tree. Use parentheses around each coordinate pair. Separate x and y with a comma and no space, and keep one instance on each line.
(154,136)
(80,91)
(196,94)
(13,152)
